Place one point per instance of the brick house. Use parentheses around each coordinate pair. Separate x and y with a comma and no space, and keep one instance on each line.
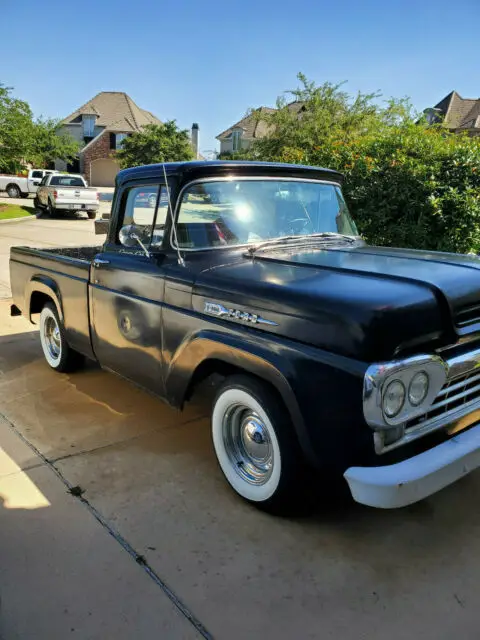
(457,114)
(100,126)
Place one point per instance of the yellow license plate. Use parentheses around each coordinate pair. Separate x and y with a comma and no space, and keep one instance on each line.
(464,422)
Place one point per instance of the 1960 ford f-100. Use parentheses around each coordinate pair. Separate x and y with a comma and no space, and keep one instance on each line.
(338,360)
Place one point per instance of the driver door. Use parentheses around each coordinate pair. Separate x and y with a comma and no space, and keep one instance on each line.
(127,291)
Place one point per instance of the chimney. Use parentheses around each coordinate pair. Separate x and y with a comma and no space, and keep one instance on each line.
(195,139)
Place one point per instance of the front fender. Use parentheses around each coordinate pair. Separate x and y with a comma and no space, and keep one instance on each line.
(43,284)
(244,353)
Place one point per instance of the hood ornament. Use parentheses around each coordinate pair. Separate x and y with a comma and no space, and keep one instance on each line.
(218,310)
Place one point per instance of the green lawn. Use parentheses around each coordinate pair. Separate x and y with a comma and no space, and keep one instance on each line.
(8,211)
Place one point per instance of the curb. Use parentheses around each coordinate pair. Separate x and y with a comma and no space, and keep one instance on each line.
(22,219)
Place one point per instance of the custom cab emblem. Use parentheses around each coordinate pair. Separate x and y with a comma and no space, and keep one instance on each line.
(215,309)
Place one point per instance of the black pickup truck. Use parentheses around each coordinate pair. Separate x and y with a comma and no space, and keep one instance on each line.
(336,359)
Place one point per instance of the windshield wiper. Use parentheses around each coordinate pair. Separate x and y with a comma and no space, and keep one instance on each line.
(287,240)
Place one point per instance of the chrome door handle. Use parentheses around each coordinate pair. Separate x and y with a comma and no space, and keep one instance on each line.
(98,262)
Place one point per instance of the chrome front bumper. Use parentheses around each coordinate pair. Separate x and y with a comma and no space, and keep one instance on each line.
(401,484)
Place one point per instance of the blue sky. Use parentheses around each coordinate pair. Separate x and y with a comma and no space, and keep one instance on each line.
(208,61)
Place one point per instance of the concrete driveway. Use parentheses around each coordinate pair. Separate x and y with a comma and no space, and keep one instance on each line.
(156,545)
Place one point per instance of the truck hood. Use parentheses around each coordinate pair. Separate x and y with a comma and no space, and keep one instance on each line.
(369,303)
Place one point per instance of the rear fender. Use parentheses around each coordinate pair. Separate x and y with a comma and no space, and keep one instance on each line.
(43,284)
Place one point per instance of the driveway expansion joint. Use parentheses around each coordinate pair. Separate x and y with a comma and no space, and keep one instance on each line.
(138,558)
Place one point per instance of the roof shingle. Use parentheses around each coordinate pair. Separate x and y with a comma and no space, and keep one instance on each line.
(116,111)
(253,127)
(458,112)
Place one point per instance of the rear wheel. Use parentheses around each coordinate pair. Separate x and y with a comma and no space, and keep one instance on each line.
(91,215)
(257,448)
(13,191)
(39,211)
(55,348)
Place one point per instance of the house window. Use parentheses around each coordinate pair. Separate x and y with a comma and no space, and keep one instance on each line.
(119,138)
(88,126)
(116,140)
(236,140)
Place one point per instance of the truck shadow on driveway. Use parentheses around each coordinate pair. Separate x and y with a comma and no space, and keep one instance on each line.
(68,215)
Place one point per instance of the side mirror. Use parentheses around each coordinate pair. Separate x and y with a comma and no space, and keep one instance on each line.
(128,235)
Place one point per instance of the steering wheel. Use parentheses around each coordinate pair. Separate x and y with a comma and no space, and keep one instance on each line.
(297,225)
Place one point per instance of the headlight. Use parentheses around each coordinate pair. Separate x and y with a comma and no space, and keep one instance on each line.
(393,399)
(396,392)
(418,388)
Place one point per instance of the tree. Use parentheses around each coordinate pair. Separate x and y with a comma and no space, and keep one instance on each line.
(16,127)
(24,140)
(408,184)
(156,143)
(49,143)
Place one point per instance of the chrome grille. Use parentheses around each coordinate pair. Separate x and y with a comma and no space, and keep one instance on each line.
(457,397)
(468,316)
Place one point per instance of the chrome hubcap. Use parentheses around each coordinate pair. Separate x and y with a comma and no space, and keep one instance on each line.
(52,337)
(248,445)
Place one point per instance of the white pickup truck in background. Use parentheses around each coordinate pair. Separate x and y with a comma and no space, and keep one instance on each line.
(66,192)
(22,186)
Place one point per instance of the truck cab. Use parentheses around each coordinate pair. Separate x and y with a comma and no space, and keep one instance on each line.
(22,186)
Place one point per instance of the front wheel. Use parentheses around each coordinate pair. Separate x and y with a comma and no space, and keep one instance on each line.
(257,448)
(55,348)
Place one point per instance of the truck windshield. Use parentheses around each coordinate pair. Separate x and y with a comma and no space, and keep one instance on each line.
(66,181)
(235,212)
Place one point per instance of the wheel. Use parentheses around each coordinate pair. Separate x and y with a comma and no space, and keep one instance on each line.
(39,211)
(55,348)
(13,191)
(256,447)
(91,215)
(49,210)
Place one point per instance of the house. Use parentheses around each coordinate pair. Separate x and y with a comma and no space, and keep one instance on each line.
(250,128)
(100,125)
(457,114)
(244,132)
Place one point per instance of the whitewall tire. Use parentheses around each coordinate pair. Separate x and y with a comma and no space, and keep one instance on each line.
(50,337)
(56,350)
(256,446)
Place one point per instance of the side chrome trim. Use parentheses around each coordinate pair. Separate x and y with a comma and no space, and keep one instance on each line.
(218,310)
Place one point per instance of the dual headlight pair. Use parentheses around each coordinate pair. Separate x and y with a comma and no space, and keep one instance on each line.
(395,392)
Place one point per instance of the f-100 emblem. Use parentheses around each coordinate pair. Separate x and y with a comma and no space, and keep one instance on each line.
(215,309)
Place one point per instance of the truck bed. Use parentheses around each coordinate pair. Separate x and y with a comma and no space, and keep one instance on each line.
(82,254)
(65,270)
